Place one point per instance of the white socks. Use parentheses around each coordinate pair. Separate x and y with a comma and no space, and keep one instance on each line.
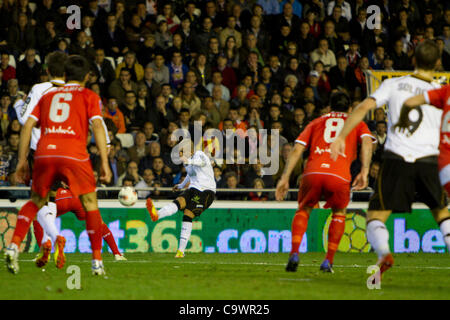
(445,229)
(167,210)
(378,236)
(46,218)
(186,229)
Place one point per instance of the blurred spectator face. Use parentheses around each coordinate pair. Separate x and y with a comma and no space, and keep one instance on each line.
(237,10)
(277,126)
(379,53)
(285,151)
(217,78)
(159,61)
(242,92)
(251,42)
(329,29)
(148,176)
(184,117)
(167,10)
(211,8)
(127,183)
(228,125)
(323,46)
(172,126)
(16,126)
(96,88)
(287,9)
(364,63)
(318,66)
(388,63)
(258,184)
(86,22)
(308,93)
(177,103)
(446,32)
(130,59)
(13,87)
(276,99)
(176,58)
(266,73)
(337,13)
(447,16)
(398,47)
(5,60)
(342,63)
(130,99)
(140,139)
(313,81)
(242,112)
(362,14)
(112,104)
(309,108)
(429,33)
(247,81)
(158,165)
(22,20)
(99,56)
(125,76)
(155,149)
(274,112)
(177,40)
(285,31)
(293,64)
(217,173)
(148,129)
(166,91)
(160,103)
(132,168)
(233,114)
(191,77)
(261,90)
(82,38)
(5,102)
(374,169)
(231,182)
(299,115)
(274,62)
(230,43)
(188,89)
(255,22)
(287,92)
(231,22)
(62,45)
(201,60)
(207,24)
(208,103)
(13,141)
(379,114)
(148,74)
(30,56)
(381,129)
(304,29)
(217,92)
(214,44)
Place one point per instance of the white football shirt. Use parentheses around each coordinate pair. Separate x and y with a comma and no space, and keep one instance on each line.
(422,140)
(24,108)
(200,173)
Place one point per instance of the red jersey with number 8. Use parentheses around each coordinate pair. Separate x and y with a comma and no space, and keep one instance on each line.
(64,115)
(319,134)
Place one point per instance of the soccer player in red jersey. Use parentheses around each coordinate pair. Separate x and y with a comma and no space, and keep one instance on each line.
(440,98)
(64,115)
(324,177)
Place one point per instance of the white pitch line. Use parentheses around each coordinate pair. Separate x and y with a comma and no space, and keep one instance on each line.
(69,261)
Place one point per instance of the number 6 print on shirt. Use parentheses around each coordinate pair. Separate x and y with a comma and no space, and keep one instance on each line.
(59,111)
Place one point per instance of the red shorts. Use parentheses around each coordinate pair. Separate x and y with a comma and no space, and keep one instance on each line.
(335,190)
(77,174)
(66,202)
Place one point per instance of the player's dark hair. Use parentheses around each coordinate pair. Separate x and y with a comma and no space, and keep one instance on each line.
(427,54)
(76,68)
(56,62)
(339,101)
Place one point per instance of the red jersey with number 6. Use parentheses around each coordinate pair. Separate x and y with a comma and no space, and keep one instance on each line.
(64,115)
(440,98)
(319,134)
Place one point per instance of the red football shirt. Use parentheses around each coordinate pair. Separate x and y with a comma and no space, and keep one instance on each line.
(64,114)
(440,98)
(320,133)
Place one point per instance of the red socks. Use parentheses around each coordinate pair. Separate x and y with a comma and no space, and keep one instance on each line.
(38,232)
(94,229)
(24,218)
(299,225)
(108,236)
(335,232)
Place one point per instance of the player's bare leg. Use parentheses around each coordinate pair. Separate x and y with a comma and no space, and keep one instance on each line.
(335,232)
(24,218)
(166,211)
(94,230)
(186,229)
(299,226)
(378,236)
(442,217)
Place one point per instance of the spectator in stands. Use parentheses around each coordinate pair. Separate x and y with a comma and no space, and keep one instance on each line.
(133,114)
(113,112)
(139,149)
(113,38)
(258,183)
(189,99)
(323,54)
(343,5)
(231,182)
(104,69)
(148,178)
(150,134)
(177,70)
(399,58)
(28,70)
(122,85)
(130,63)
(132,171)
(21,35)
(373,173)
(9,72)
(160,174)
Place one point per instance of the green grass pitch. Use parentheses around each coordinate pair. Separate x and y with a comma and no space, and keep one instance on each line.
(231,276)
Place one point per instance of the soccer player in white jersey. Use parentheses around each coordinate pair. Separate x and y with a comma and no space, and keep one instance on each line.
(410,158)
(197,198)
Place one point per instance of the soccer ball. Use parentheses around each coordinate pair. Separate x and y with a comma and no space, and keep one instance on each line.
(127,196)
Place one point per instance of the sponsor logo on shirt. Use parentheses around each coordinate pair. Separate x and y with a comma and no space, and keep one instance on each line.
(51,147)
(60,130)
(325,165)
(320,151)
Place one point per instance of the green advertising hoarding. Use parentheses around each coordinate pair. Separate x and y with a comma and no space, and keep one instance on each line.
(250,230)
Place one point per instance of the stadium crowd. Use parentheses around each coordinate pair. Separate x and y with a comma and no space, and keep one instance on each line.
(230,64)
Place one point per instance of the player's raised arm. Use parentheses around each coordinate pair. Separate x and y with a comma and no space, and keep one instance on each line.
(100,140)
(24,145)
(338,146)
(283,183)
